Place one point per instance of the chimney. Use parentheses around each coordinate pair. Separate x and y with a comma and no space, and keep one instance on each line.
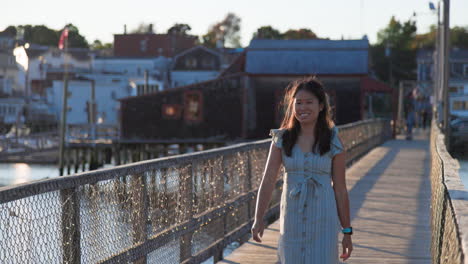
(125,29)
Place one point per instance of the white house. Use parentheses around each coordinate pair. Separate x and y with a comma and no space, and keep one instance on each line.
(36,62)
(11,110)
(8,73)
(134,68)
(108,89)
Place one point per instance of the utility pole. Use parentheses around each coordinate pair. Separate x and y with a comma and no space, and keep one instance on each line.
(145,87)
(446,76)
(64,110)
(93,110)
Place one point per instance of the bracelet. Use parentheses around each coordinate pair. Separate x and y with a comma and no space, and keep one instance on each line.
(347,231)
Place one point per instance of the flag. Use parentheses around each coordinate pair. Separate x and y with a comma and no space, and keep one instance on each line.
(63,37)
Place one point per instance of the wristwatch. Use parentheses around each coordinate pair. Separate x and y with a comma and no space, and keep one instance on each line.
(347,231)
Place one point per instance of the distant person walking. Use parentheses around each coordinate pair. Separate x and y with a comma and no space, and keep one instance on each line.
(426,112)
(314,200)
(410,117)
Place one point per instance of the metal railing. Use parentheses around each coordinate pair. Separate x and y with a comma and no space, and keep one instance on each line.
(181,209)
(449,205)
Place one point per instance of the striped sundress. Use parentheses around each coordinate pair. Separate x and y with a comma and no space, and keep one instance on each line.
(309,223)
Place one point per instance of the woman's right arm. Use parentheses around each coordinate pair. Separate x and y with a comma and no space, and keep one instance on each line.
(270,176)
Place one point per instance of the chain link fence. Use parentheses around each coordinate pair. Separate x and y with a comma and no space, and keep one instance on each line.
(180,209)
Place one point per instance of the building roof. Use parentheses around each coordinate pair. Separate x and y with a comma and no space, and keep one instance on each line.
(307,44)
(216,53)
(80,54)
(315,56)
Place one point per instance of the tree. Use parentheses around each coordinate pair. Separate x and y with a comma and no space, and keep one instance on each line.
(226,31)
(302,33)
(42,35)
(458,38)
(426,40)
(397,38)
(398,35)
(267,32)
(143,28)
(179,29)
(75,40)
(9,31)
(98,45)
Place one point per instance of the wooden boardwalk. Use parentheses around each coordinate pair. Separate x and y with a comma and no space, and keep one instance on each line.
(390,193)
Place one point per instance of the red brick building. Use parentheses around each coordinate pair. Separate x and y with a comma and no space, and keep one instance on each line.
(151,45)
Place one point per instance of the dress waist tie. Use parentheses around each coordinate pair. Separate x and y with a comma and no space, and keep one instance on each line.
(301,189)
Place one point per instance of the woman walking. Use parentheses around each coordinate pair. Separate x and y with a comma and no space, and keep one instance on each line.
(314,200)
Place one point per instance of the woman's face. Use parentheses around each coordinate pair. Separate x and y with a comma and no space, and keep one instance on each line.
(306,107)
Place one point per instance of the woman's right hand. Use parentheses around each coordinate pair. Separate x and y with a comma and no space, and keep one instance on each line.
(257,230)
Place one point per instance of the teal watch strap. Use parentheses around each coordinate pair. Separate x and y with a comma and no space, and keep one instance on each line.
(347,231)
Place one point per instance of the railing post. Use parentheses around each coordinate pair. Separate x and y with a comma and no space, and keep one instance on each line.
(70,226)
(186,208)
(219,192)
(248,183)
(140,212)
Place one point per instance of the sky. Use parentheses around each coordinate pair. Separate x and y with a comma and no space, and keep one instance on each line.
(334,19)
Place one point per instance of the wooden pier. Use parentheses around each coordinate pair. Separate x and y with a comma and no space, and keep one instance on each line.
(390,194)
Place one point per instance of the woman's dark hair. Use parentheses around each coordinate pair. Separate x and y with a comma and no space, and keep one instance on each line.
(324,123)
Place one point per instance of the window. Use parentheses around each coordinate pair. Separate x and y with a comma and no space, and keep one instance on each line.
(193,106)
(144,45)
(208,63)
(113,95)
(171,111)
(458,105)
(453,89)
(465,70)
(190,63)
(456,89)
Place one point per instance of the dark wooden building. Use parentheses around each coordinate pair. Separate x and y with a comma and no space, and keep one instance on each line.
(245,101)
(195,65)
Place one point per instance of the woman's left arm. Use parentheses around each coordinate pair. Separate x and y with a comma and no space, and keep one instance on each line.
(339,186)
(342,200)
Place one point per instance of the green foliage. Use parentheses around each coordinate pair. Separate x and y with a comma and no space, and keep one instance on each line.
(459,37)
(209,39)
(179,29)
(402,41)
(98,45)
(398,38)
(397,35)
(302,33)
(75,40)
(10,31)
(42,35)
(227,31)
(267,32)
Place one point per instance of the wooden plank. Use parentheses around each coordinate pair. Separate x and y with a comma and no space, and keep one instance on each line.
(390,199)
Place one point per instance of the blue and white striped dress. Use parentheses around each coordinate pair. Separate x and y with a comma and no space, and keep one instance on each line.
(309,223)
